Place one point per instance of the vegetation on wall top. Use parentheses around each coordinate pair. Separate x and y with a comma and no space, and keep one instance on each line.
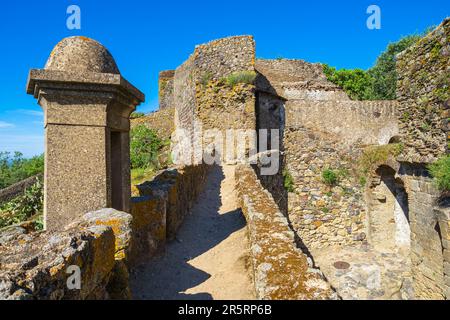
(247,77)
(137,115)
(374,156)
(380,81)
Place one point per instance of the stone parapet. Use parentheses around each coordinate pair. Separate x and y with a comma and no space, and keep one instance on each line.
(281,270)
(37,266)
(17,189)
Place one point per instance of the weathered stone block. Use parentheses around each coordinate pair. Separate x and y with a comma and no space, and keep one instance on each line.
(35,266)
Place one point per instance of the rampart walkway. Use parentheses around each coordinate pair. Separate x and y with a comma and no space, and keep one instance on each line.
(209,258)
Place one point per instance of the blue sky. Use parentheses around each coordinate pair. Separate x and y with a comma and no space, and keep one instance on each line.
(148,36)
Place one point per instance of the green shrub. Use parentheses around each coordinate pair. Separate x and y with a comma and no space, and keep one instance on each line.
(329,177)
(288,181)
(137,115)
(440,171)
(15,168)
(240,77)
(23,207)
(377,83)
(384,73)
(144,147)
(362,181)
(39,223)
(356,83)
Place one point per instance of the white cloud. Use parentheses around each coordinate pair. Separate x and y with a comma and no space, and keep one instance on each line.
(31,112)
(6,125)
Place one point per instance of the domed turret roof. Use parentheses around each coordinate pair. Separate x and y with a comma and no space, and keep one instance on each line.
(81,54)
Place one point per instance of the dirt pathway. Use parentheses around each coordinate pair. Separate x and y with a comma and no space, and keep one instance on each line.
(209,258)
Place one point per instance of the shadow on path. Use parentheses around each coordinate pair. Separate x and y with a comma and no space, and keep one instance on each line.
(170,275)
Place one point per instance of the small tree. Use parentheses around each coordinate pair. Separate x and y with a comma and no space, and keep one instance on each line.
(145,146)
(384,73)
(16,168)
(356,83)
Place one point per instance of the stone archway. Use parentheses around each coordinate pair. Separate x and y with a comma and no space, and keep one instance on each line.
(388,226)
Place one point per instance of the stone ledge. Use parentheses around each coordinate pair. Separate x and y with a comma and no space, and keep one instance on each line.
(17,189)
(35,266)
(282,271)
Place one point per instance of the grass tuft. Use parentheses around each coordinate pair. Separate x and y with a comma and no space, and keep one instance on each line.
(440,171)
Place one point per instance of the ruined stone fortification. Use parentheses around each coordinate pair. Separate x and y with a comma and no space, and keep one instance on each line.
(105,244)
(393,228)
(321,129)
(282,271)
(296,80)
(423,94)
(202,96)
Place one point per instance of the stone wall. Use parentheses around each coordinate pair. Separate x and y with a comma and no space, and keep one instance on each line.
(17,189)
(426,238)
(184,100)
(321,129)
(354,122)
(105,244)
(424,95)
(296,80)
(34,266)
(442,212)
(202,94)
(166,89)
(323,215)
(178,188)
(282,271)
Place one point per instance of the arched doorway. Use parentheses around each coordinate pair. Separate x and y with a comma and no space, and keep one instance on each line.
(388,211)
